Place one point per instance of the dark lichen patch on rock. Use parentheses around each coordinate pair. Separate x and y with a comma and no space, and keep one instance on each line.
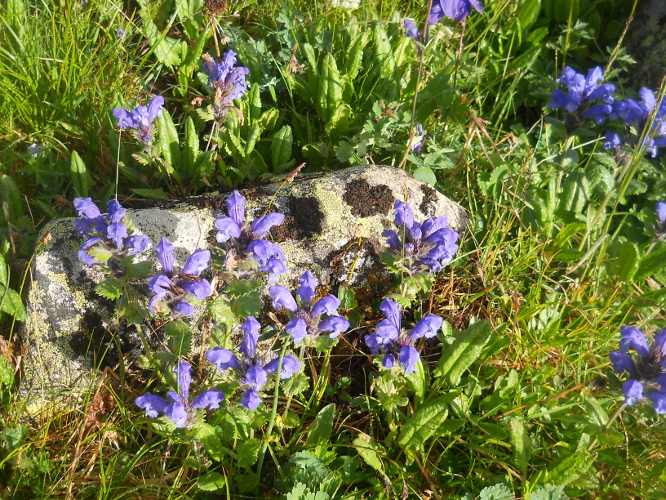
(367,200)
(428,204)
(303,220)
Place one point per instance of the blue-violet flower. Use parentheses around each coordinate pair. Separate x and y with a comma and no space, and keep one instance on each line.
(173,288)
(457,10)
(311,318)
(227,83)
(431,244)
(636,113)
(646,371)
(245,241)
(397,344)
(180,411)
(252,370)
(109,238)
(140,119)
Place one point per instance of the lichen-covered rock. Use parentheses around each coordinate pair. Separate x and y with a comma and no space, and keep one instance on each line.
(646,42)
(333,225)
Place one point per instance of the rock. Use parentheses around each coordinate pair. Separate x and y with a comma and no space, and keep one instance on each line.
(646,42)
(333,225)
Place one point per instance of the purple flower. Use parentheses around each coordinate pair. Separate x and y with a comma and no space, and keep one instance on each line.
(660,209)
(226,82)
(180,411)
(418,145)
(613,140)
(309,319)
(172,290)
(411,30)
(636,113)
(431,244)
(578,103)
(140,118)
(395,343)
(646,370)
(245,243)
(457,10)
(107,236)
(252,370)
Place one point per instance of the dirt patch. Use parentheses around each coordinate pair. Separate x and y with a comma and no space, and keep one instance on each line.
(428,206)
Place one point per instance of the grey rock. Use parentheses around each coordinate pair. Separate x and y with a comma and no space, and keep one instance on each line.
(646,42)
(333,225)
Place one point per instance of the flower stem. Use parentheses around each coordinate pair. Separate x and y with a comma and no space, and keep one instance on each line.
(271,421)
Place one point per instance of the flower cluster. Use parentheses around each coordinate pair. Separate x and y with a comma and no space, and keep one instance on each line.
(636,113)
(395,343)
(173,288)
(431,244)
(660,208)
(306,319)
(647,370)
(419,139)
(457,10)
(108,238)
(180,411)
(251,369)
(247,240)
(579,102)
(140,119)
(411,29)
(227,83)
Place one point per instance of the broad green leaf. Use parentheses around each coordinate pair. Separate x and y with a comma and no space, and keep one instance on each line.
(384,52)
(575,192)
(652,263)
(569,469)
(247,305)
(596,414)
(627,261)
(295,384)
(139,270)
(191,151)
(111,288)
(549,492)
(322,426)
(206,434)
(425,422)
(369,451)
(457,357)
(281,147)
(242,287)
(233,144)
(254,100)
(329,88)
(425,174)
(529,12)
(354,60)
(520,443)
(80,177)
(311,58)
(269,118)
(346,297)
(496,492)
(566,233)
(417,381)
(167,50)
(220,310)
(168,139)
(131,311)
(10,302)
(252,139)
(248,452)
(212,481)
(339,120)
(6,372)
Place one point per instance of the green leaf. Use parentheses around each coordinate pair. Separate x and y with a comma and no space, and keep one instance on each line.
(220,310)
(425,174)
(167,50)
(281,147)
(628,261)
(652,263)
(322,426)
(329,88)
(151,194)
(4,276)
(100,253)
(384,53)
(425,422)
(10,302)
(496,492)
(242,287)
(416,380)
(310,56)
(169,141)
(248,452)
(211,481)
(339,120)
(346,298)
(354,60)
(569,469)
(206,434)
(529,12)
(269,118)
(549,492)
(457,357)
(575,192)
(131,311)
(80,177)
(520,443)
(369,451)
(139,270)
(111,288)
(295,384)
(247,305)
(191,152)
(252,139)
(566,233)
(6,372)
(10,194)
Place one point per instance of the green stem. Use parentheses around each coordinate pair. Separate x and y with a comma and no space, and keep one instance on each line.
(271,422)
